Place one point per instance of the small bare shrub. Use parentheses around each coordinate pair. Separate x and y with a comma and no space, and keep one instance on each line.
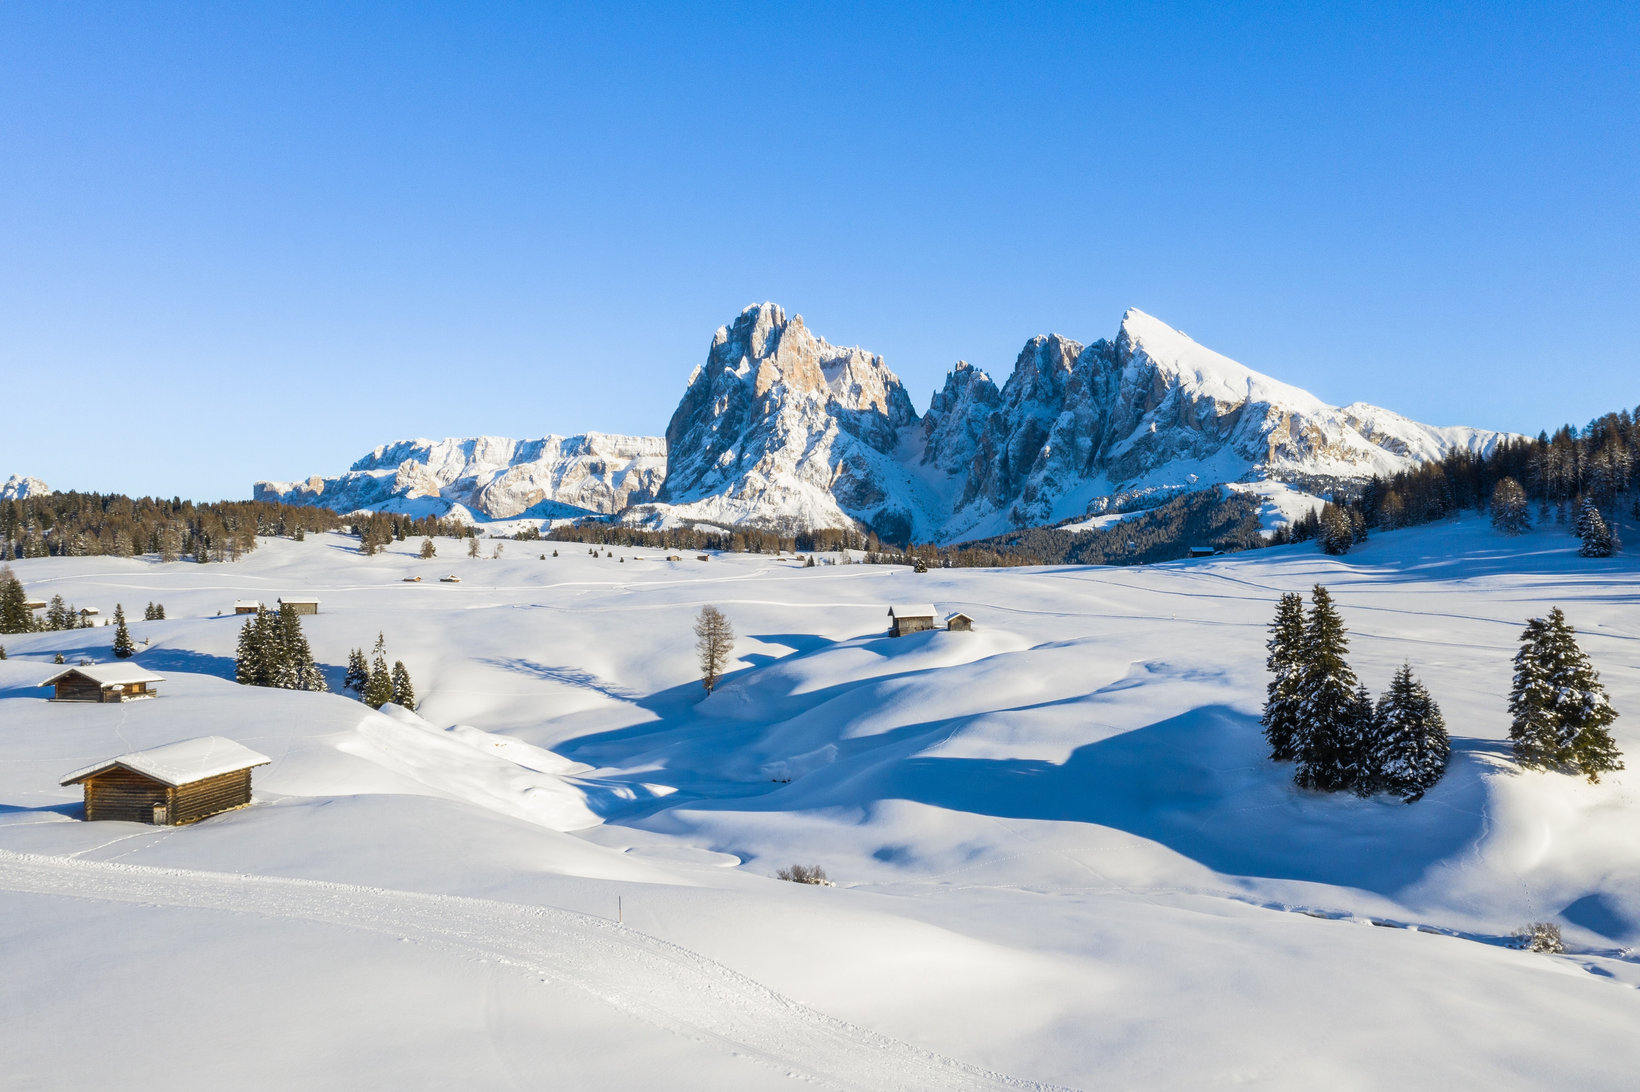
(1540,936)
(805,874)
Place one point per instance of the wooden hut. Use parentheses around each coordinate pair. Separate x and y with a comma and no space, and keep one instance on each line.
(247,606)
(904,618)
(298,604)
(1202,551)
(958,622)
(103,683)
(171,785)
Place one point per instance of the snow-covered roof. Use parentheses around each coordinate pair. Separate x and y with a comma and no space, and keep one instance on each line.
(297,599)
(237,603)
(180,763)
(912,610)
(109,674)
(958,614)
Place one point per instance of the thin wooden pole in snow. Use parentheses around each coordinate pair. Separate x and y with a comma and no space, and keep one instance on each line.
(619,918)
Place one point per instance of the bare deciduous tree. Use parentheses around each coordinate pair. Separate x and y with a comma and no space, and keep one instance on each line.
(715,641)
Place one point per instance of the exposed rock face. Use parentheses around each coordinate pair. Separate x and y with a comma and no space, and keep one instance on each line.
(494,477)
(19,486)
(780,429)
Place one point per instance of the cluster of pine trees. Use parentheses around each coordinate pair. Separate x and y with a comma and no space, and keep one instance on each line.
(273,651)
(1588,475)
(376,529)
(375,684)
(1318,716)
(111,524)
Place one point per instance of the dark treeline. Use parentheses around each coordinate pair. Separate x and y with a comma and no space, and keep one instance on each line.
(1228,522)
(1557,473)
(741,540)
(109,524)
(376,529)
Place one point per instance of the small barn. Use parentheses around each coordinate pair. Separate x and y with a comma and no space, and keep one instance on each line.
(904,618)
(247,606)
(170,785)
(89,612)
(298,604)
(34,604)
(1202,551)
(103,683)
(958,622)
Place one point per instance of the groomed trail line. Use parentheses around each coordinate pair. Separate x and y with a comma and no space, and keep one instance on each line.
(647,978)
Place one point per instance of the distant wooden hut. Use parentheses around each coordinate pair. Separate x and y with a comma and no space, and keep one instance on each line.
(103,683)
(89,612)
(34,604)
(171,785)
(247,606)
(904,618)
(298,604)
(1202,551)
(958,622)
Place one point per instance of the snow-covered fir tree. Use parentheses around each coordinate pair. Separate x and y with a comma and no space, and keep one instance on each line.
(403,693)
(1410,746)
(1328,711)
(1281,704)
(1561,714)
(358,671)
(1510,512)
(378,689)
(296,670)
(124,649)
(15,617)
(1592,529)
(1337,533)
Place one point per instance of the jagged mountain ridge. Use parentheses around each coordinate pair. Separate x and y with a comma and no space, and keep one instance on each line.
(491,477)
(782,430)
(19,486)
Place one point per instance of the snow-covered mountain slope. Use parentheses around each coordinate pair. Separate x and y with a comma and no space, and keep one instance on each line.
(781,429)
(495,478)
(1062,853)
(19,486)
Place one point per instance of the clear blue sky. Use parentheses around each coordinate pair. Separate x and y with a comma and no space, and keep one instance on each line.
(241,241)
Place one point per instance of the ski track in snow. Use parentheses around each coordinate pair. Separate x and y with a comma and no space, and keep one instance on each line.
(660,983)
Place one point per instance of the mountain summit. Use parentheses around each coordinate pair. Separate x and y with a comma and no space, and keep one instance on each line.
(780,429)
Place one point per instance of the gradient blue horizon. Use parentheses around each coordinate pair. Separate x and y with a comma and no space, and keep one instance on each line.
(255,241)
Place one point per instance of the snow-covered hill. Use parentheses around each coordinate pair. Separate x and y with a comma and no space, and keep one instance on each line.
(780,429)
(1063,859)
(494,478)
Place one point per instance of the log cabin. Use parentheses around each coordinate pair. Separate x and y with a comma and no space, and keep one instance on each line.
(247,606)
(103,683)
(958,622)
(299,605)
(904,618)
(170,785)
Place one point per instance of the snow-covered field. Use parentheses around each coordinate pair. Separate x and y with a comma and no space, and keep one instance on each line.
(1061,857)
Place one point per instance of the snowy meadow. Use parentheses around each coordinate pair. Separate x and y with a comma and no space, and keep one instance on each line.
(1062,857)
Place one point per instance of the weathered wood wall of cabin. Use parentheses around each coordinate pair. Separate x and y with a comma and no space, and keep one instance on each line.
(198,799)
(300,608)
(123,795)
(78,688)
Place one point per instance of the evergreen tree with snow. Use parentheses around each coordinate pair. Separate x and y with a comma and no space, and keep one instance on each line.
(358,671)
(378,689)
(296,669)
(1410,744)
(428,550)
(1324,745)
(15,617)
(1281,705)
(1510,512)
(1561,714)
(1337,533)
(1592,529)
(403,693)
(123,648)
(247,665)
(1361,775)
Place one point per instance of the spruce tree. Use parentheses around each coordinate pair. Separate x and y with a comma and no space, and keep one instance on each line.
(2,652)
(246,654)
(1561,714)
(1592,529)
(378,689)
(123,648)
(1410,746)
(1337,533)
(1361,776)
(428,549)
(1281,703)
(1510,512)
(1327,714)
(358,671)
(403,693)
(296,669)
(15,617)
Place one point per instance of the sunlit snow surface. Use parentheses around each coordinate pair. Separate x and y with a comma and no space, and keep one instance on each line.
(1062,859)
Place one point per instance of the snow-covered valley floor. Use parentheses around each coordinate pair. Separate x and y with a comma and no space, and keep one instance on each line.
(1062,859)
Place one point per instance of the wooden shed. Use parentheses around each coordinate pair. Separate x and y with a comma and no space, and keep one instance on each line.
(247,606)
(299,604)
(904,618)
(103,683)
(170,785)
(958,622)
(1203,551)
